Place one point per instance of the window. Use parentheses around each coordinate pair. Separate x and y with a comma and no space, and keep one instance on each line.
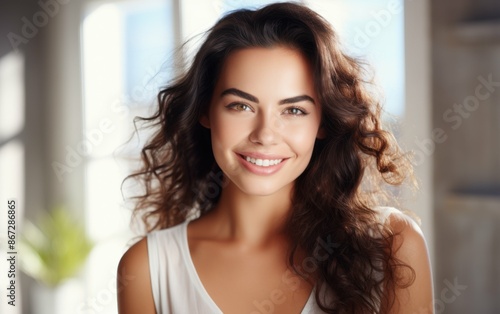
(373,31)
(11,150)
(126,46)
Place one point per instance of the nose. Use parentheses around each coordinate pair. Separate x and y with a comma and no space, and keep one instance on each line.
(266,129)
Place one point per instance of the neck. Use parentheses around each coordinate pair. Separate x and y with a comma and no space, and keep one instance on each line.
(253,221)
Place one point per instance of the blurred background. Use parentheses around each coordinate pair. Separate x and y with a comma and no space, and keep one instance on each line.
(74,74)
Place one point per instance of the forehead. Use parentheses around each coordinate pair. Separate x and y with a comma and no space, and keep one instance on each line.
(274,72)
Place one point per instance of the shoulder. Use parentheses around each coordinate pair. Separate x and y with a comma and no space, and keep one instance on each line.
(409,241)
(133,281)
(409,238)
(410,248)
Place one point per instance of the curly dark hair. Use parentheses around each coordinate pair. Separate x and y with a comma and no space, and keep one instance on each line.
(333,198)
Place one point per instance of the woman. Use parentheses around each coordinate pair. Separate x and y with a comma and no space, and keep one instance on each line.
(261,182)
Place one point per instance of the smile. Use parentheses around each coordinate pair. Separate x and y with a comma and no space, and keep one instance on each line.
(262,166)
(263,162)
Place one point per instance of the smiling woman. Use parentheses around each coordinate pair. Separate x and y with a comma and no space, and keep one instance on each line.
(261,179)
(263,112)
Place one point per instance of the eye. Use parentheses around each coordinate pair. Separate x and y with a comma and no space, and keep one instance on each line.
(239,107)
(295,111)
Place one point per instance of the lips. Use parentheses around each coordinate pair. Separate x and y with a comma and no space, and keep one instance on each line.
(262,164)
(262,155)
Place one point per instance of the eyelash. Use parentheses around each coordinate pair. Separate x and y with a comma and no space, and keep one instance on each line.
(235,104)
(302,110)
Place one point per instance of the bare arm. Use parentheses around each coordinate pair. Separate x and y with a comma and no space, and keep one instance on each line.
(134,283)
(411,249)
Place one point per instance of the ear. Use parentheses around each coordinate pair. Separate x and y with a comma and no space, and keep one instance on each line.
(204,121)
(321,133)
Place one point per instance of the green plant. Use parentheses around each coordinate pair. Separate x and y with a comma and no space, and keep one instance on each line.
(54,249)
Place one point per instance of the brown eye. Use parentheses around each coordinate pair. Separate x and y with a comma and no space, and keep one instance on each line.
(239,107)
(295,111)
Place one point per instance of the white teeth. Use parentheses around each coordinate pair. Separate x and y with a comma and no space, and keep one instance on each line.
(263,162)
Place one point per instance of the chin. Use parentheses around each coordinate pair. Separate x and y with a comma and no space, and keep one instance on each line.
(261,189)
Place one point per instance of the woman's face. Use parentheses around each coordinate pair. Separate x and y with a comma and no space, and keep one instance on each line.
(264,118)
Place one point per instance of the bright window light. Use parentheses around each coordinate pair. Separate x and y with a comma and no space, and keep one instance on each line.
(372,30)
(125,50)
(11,94)
(11,154)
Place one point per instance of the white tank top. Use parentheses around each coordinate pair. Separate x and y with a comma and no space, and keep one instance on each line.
(176,286)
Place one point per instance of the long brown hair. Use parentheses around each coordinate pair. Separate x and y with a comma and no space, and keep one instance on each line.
(333,198)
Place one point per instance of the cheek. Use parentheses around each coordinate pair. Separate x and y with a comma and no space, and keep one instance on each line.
(301,142)
(225,129)
(303,136)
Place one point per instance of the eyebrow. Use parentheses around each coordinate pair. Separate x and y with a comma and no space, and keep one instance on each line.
(247,96)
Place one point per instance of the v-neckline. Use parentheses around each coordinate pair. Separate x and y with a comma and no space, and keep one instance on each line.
(193,274)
